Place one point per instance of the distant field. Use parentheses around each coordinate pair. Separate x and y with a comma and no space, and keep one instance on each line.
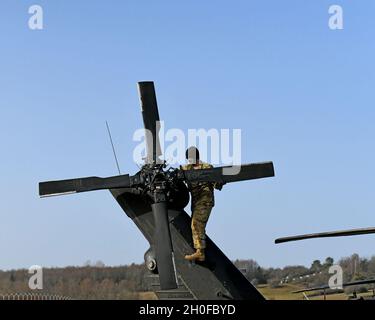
(284,293)
(147,296)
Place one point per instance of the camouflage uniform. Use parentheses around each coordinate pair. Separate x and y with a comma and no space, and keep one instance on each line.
(202,202)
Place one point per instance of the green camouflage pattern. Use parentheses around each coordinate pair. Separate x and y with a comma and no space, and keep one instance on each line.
(202,193)
(202,202)
(199,220)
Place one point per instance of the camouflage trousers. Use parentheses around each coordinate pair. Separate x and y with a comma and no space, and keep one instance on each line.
(199,219)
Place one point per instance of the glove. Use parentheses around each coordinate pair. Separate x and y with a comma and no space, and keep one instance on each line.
(219,186)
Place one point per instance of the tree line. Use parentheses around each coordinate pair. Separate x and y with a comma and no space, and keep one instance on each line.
(354,268)
(97,281)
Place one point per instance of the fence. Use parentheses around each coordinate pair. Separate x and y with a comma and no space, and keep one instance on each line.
(32,296)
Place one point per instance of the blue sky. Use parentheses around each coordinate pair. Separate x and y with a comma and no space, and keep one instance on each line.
(301,93)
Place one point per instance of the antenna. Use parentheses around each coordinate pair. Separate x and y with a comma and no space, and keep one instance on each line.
(113,147)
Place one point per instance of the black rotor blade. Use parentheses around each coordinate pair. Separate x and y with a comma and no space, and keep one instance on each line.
(223,174)
(163,247)
(348,284)
(343,233)
(54,188)
(151,119)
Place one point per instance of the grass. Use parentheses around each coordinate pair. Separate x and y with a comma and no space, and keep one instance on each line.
(282,293)
(147,296)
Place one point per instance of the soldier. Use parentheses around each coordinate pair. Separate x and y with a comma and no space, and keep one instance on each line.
(202,202)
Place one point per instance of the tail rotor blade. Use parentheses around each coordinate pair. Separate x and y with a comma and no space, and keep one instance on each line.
(54,188)
(231,174)
(343,233)
(163,247)
(151,119)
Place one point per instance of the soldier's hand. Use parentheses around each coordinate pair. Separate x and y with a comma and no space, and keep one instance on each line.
(219,186)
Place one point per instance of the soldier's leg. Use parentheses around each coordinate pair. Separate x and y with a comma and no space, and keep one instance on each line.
(198,227)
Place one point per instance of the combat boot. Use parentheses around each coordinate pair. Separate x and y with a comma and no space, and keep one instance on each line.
(197,256)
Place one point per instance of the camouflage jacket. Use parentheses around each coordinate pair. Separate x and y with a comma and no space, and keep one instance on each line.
(202,193)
